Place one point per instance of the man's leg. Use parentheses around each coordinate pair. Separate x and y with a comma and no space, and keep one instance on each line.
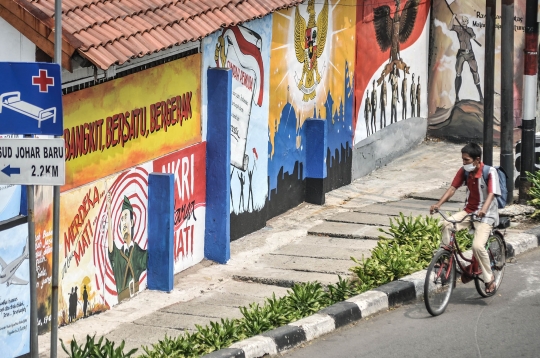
(474,70)
(459,69)
(447,225)
(481,236)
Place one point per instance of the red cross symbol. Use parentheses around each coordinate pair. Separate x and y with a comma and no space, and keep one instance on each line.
(43,81)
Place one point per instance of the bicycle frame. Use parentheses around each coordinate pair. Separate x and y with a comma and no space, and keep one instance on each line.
(455,251)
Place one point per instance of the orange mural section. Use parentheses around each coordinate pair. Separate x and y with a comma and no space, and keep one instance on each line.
(131,120)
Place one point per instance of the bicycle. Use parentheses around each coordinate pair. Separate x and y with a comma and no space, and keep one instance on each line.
(441,273)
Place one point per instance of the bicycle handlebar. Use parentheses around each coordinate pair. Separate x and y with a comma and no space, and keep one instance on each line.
(473,216)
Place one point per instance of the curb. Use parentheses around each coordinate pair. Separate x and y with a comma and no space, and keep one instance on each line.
(395,293)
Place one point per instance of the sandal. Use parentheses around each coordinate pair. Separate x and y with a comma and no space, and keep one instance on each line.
(490,286)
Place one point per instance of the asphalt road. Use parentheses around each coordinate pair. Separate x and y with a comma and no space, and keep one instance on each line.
(506,325)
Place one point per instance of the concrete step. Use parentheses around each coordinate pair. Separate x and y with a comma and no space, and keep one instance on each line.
(308,264)
(321,252)
(354,217)
(423,204)
(396,210)
(283,278)
(435,195)
(345,230)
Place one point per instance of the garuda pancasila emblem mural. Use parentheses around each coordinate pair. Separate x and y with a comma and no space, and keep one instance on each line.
(391,32)
(309,43)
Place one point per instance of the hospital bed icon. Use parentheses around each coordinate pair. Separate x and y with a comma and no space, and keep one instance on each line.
(12,100)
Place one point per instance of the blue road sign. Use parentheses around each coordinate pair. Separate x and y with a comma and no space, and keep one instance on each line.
(31,98)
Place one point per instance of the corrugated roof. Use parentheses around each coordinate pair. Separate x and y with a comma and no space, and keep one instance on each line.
(114,31)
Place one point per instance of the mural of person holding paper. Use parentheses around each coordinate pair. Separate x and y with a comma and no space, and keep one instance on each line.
(245,49)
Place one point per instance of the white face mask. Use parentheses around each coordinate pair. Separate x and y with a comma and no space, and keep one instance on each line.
(469,167)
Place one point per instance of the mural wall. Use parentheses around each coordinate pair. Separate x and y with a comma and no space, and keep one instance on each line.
(246,51)
(456,107)
(392,56)
(14,276)
(104,204)
(311,76)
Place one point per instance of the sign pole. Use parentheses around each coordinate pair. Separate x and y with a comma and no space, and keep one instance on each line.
(56,197)
(34,349)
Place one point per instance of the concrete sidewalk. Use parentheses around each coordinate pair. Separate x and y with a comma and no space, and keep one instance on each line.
(307,243)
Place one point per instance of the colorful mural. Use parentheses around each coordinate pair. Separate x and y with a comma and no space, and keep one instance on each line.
(392,41)
(189,169)
(14,292)
(246,51)
(456,107)
(103,243)
(103,218)
(130,120)
(312,66)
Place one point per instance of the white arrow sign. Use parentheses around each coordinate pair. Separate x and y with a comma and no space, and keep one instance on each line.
(32,161)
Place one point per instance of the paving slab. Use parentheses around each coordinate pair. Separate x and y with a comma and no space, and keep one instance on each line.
(341,253)
(173,320)
(383,209)
(354,217)
(229,299)
(435,195)
(252,289)
(346,230)
(199,309)
(283,278)
(423,204)
(308,264)
(138,335)
(335,242)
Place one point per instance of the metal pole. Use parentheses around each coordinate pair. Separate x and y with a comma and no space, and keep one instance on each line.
(34,349)
(507,95)
(528,125)
(489,79)
(56,198)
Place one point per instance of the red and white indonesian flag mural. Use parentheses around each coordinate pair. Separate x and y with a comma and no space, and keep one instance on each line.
(239,49)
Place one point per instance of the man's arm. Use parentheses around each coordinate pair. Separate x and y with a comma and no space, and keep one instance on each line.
(110,240)
(452,22)
(486,205)
(449,193)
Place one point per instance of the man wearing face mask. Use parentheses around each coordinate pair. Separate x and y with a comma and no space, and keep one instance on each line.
(480,201)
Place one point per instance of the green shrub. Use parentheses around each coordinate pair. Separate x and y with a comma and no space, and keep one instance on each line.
(92,349)
(534,192)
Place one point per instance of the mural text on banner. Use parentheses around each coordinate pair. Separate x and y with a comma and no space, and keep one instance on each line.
(245,50)
(127,121)
(189,169)
(14,292)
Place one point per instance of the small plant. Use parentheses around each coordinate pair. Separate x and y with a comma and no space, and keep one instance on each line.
(306,299)
(92,349)
(342,290)
(256,319)
(218,335)
(534,192)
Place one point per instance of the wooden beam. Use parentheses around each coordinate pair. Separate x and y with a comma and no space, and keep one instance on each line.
(36,37)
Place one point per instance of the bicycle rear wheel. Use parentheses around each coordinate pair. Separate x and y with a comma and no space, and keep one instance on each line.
(496,249)
(439,284)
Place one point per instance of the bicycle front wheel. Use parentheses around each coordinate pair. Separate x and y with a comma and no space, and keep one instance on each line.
(496,249)
(439,284)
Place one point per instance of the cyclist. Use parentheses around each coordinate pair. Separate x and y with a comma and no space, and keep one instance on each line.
(480,201)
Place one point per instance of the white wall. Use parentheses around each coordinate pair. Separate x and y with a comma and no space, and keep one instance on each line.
(14,47)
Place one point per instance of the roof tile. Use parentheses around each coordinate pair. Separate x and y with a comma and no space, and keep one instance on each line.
(113,31)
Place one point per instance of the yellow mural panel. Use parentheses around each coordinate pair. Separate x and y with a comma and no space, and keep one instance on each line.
(127,121)
(312,55)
